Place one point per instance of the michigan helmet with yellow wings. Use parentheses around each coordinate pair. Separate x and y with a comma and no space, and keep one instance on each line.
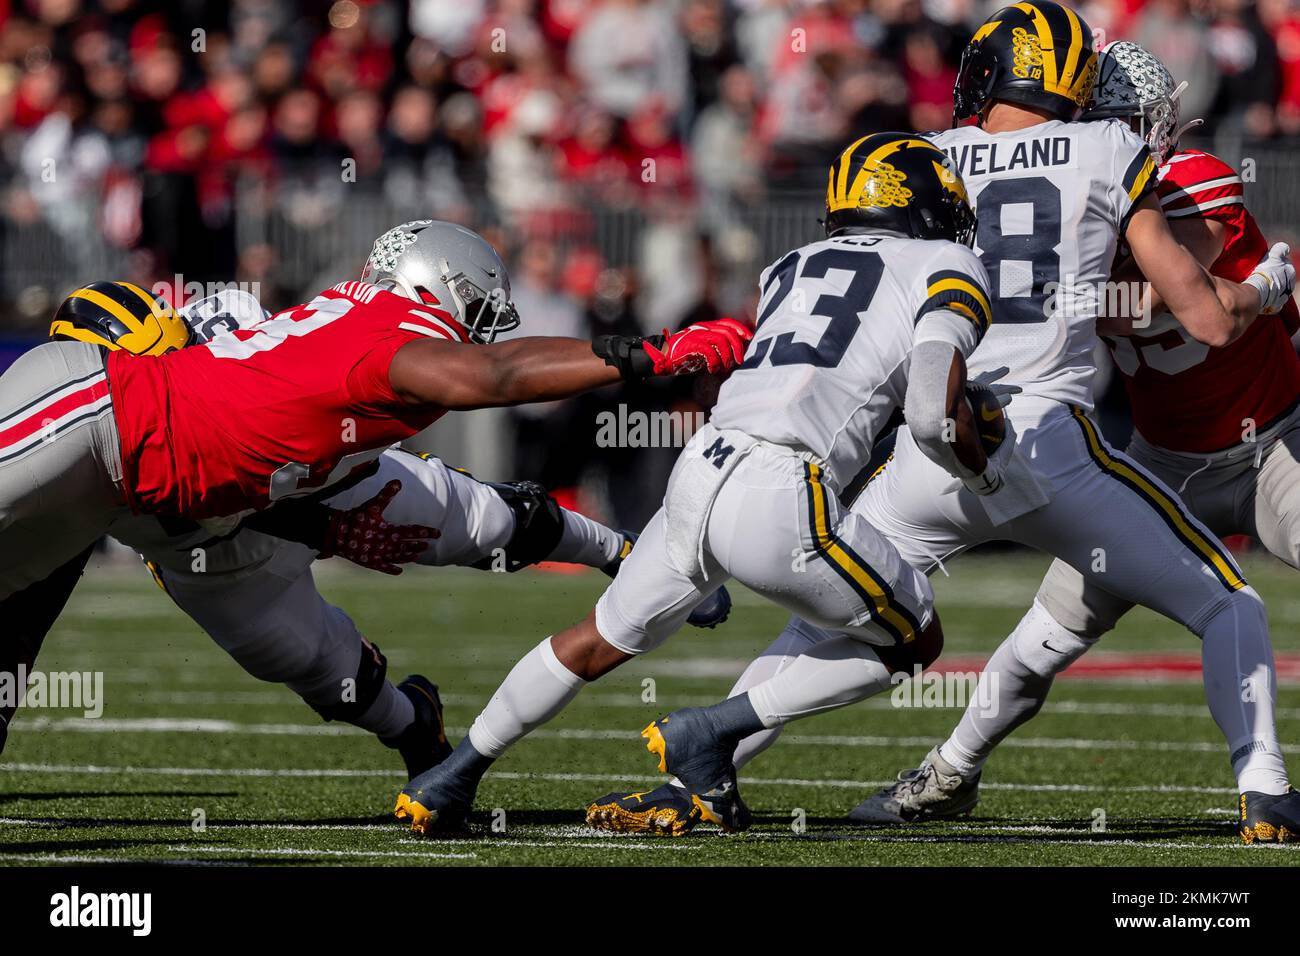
(120,315)
(901,183)
(1037,54)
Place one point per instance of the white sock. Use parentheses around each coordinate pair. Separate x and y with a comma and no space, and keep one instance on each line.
(830,674)
(1012,687)
(534,691)
(586,542)
(390,714)
(1237,669)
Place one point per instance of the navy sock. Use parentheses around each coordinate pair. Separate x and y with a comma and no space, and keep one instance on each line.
(735,718)
(461,771)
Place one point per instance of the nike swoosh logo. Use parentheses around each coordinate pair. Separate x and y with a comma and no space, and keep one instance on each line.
(989,416)
(1051,648)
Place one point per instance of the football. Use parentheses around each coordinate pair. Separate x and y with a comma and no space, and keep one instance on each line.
(990,419)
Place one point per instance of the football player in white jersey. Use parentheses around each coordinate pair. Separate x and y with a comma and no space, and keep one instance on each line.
(1053,197)
(1188,414)
(878,316)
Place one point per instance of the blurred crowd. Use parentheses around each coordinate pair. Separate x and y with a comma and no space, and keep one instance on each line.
(133,123)
(636,160)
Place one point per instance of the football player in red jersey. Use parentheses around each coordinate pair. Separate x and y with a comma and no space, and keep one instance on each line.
(1219,425)
(221,431)
(254,593)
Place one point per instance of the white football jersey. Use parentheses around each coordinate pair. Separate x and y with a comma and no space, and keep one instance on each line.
(836,322)
(1052,201)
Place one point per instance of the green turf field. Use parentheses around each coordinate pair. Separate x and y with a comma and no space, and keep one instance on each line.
(186,735)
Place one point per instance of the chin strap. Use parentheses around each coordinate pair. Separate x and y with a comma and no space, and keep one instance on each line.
(1186,127)
(1173,98)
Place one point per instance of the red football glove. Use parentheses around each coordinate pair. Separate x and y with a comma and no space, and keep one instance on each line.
(365,538)
(714,346)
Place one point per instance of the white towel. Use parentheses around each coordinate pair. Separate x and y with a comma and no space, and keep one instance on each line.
(1022,491)
(701,469)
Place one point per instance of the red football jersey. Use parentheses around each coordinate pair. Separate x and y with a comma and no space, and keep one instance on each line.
(280,409)
(1185,395)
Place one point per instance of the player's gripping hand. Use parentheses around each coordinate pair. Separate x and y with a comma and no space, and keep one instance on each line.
(714,346)
(1273,279)
(987,403)
(363,536)
(987,400)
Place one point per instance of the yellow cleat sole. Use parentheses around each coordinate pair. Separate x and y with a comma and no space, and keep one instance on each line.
(659,822)
(708,815)
(656,744)
(420,818)
(1267,833)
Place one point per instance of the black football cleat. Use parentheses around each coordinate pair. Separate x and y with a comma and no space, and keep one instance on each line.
(432,805)
(422,745)
(665,811)
(1270,818)
(690,749)
(439,800)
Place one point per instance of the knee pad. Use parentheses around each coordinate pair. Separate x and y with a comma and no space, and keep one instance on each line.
(372,674)
(1044,645)
(1088,612)
(539,525)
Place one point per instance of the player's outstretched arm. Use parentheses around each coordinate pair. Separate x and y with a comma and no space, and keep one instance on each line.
(1213,310)
(541,369)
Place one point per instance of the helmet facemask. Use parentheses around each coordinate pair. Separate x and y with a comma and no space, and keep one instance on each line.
(485,314)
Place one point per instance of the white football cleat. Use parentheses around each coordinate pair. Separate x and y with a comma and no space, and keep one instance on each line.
(933,791)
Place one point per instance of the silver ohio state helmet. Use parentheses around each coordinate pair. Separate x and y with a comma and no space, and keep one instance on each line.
(1132,83)
(441,263)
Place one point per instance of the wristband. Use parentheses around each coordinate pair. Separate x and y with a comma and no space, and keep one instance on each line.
(625,353)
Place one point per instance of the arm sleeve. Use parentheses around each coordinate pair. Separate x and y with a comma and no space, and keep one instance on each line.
(926,408)
(952,318)
(941,336)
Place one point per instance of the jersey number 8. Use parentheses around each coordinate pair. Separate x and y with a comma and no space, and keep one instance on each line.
(1035,250)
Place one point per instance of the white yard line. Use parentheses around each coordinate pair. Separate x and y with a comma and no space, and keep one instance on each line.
(1101,842)
(631,700)
(302,852)
(69,858)
(80,823)
(74,769)
(170,725)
